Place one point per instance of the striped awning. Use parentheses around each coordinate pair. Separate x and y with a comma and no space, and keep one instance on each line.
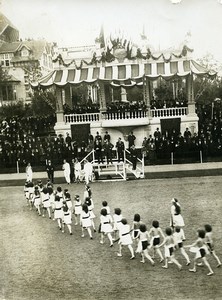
(122,74)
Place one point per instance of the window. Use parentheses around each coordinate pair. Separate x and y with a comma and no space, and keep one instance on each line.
(7,93)
(25,52)
(6,59)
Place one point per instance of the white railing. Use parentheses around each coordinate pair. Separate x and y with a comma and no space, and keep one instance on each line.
(82,118)
(169,112)
(155,113)
(124,115)
(139,172)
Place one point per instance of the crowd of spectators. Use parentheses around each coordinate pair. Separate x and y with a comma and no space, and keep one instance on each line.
(184,145)
(125,106)
(33,140)
(119,106)
(22,139)
(156,104)
(163,98)
(81,109)
(116,106)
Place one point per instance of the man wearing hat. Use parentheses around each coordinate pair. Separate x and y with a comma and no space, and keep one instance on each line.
(106,137)
(50,171)
(120,149)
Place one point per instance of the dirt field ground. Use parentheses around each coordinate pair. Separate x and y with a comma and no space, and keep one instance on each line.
(38,262)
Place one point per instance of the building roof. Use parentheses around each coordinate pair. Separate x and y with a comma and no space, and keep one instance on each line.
(9,47)
(36,49)
(4,22)
(126,75)
(6,27)
(10,78)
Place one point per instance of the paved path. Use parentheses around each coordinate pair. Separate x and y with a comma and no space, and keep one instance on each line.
(158,171)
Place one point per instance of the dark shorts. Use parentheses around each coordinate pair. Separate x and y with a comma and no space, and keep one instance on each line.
(211,248)
(145,244)
(156,241)
(135,233)
(171,251)
(180,245)
(202,252)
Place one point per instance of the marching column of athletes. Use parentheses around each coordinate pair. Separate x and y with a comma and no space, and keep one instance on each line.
(58,205)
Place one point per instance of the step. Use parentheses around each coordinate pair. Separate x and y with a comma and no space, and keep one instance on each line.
(106,171)
(110,177)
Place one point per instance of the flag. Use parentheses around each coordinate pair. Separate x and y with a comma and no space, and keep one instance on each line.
(101,38)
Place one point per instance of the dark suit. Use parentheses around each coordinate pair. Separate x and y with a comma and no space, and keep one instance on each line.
(120,150)
(50,171)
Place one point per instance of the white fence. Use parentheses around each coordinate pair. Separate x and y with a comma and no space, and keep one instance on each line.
(82,118)
(124,115)
(169,112)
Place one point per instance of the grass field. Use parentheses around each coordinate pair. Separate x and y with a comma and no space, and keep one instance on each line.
(39,262)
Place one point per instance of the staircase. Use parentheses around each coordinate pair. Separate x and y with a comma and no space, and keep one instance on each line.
(139,172)
(116,171)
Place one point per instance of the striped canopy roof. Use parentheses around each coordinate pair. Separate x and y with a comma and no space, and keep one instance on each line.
(123,74)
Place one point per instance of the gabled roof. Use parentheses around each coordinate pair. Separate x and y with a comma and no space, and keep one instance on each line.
(4,22)
(23,45)
(9,47)
(36,49)
(10,78)
(8,32)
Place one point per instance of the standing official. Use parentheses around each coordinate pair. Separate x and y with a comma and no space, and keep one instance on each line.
(131,139)
(120,147)
(108,147)
(50,171)
(133,153)
(66,169)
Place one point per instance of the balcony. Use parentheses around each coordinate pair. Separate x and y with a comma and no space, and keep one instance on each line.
(124,115)
(125,118)
(169,112)
(82,118)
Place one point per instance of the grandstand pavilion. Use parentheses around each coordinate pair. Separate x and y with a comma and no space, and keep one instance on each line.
(122,66)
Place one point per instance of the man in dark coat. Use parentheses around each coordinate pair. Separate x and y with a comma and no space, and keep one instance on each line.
(131,139)
(106,137)
(108,151)
(50,171)
(133,153)
(98,151)
(120,149)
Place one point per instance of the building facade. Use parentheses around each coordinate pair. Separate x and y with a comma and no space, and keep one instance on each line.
(22,61)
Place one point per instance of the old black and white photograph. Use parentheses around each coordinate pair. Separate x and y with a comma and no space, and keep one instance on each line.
(110,149)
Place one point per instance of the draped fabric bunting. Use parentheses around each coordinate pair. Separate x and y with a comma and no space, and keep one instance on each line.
(109,56)
(126,75)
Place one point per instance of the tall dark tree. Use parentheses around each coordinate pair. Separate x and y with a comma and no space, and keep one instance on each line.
(43,103)
(207,89)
